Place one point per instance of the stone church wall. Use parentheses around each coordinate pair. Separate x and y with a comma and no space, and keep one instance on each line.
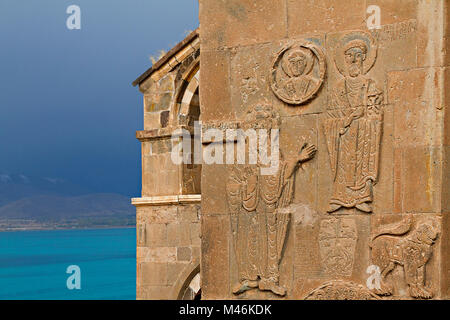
(371,205)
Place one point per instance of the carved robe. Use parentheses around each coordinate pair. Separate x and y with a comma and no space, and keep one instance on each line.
(258,226)
(353,131)
(297,87)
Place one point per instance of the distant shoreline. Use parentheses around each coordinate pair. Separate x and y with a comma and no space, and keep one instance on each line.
(24,229)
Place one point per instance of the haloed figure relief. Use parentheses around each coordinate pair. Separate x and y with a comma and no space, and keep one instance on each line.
(259,214)
(298,72)
(354,125)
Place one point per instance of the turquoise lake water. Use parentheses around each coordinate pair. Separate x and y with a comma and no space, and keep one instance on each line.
(33,264)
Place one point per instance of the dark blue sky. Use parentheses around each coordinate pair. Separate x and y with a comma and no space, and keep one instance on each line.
(67,107)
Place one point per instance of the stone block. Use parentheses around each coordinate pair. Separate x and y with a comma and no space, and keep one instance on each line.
(195,234)
(249,76)
(156,235)
(153,293)
(189,213)
(173,272)
(445,194)
(153,274)
(157,102)
(395,11)
(160,175)
(151,120)
(416,104)
(431,32)
(313,16)
(157,214)
(161,146)
(214,179)
(417,179)
(445,256)
(240,22)
(446,106)
(397,46)
(157,255)
(184,254)
(178,234)
(215,271)
(215,98)
(164,118)
(166,84)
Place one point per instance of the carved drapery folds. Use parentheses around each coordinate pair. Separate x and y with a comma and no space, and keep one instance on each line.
(354,126)
(259,211)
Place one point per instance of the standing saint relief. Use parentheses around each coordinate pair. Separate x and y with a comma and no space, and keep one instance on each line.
(354,126)
(259,215)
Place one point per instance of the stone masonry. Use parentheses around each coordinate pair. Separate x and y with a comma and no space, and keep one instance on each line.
(372,205)
(358,206)
(168,213)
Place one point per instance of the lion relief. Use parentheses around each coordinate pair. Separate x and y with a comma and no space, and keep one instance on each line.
(398,245)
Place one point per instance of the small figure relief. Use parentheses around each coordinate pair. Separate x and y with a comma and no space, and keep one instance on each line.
(399,244)
(260,216)
(251,81)
(141,234)
(190,181)
(249,86)
(297,73)
(341,290)
(337,243)
(354,126)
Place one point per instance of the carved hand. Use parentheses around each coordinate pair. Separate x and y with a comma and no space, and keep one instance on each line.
(307,152)
(358,113)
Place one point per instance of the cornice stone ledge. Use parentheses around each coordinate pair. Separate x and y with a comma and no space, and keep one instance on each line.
(166,200)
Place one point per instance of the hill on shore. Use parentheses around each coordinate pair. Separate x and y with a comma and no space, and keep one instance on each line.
(44,203)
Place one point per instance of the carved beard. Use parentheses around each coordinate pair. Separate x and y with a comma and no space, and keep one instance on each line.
(297,69)
(354,69)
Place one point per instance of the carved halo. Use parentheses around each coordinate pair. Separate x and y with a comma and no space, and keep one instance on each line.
(315,69)
(356,37)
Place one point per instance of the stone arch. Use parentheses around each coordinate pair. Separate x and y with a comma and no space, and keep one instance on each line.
(184,279)
(187,106)
(186,110)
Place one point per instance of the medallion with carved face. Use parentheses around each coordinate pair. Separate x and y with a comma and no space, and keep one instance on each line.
(297,73)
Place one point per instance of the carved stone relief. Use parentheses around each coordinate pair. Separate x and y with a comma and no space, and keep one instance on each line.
(337,242)
(141,236)
(298,72)
(395,31)
(341,290)
(259,211)
(353,128)
(400,244)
